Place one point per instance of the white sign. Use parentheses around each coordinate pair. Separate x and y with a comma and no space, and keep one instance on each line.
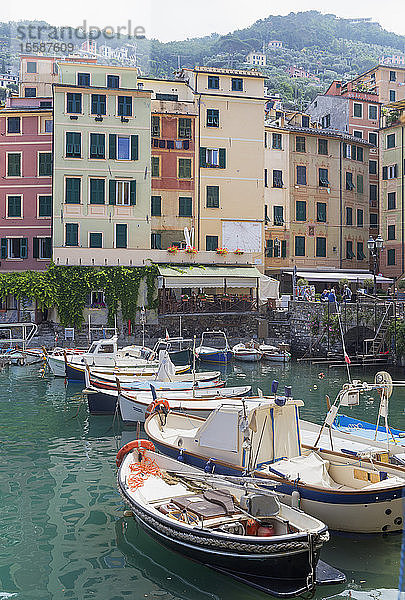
(242,235)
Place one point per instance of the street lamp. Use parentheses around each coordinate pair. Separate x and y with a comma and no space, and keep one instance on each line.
(375,246)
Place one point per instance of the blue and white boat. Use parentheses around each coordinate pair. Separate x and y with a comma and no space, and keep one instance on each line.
(353,494)
(211,354)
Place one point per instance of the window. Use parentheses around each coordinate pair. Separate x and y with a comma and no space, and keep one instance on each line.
(301,210)
(237,84)
(347,150)
(14,164)
(321,212)
(212,196)
(73,103)
(391,232)
(359,154)
(360,184)
(299,245)
(14,206)
(349,181)
(212,117)
(42,247)
(357,110)
(97,145)
(372,167)
(278,215)
(322,146)
(97,191)
(349,250)
(299,143)
(44,164)
(155,126)
(373,192)
(359,217)
(268,251)
(124,106)
(121,235)
(349,215)
(73,144)
(185,207)
(95,240)
(392,200)
(184,128)
(373,220)
(390,172)
(83,79)
(44,206)
(30,92)
(305,121)
(276,141)
(211,242)
(321,246)
(122,147)
(358,134)
(168,97)
(13,125)
(113,82)
(156,241)
(72,190)
(323,178)
(325,122)
(391,140)
(393,95)
(155,166)
(71,234)
(391,257)
(122,193)
(31,67)
(266,179)
(360,251)
(301,175)
(48,126)
(372,112)
(372,138)
(184,168)
(213,82)
(277,178)
(98,104)
(213,157)
(393,76)
(14,247)
(156,206)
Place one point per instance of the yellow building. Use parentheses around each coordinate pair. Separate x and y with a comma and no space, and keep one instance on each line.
(388,81)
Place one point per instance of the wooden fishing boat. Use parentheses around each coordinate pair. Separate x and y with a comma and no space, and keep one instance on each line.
(211,354)
(275,353)
(237,530)
(346,492)
(247,352)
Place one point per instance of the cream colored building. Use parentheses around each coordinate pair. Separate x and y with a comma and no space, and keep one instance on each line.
(388,81)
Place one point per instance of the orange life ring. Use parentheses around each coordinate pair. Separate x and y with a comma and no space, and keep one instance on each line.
(140,444)
(156,406)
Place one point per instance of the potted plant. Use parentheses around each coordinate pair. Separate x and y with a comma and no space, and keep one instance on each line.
(222,251)
(238,251)
(173,250)
(191,250)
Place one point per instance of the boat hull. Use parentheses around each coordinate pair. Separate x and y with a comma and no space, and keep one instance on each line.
(217,357)
(283,358)
(247,356)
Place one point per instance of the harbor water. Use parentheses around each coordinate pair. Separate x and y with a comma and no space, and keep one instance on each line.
(62,530)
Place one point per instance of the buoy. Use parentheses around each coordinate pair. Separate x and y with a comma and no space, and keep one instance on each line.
(315,387)
(295,499)
(321,375)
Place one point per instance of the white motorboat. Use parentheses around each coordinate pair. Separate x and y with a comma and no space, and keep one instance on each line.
(212,354)
(241,531)
(349,493)
(247,352)
(275,353)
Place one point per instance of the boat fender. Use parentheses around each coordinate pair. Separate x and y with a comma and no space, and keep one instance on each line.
(274,386)
(139,444)
(251,527)
(210,465)
(266,531)
(180,456)
(280,400)
(160,405)
(295,499)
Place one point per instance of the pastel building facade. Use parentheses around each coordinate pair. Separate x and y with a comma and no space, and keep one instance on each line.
(387,81)
(26,185)
(102,167)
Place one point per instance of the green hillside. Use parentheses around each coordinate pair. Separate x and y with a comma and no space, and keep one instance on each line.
(325,45)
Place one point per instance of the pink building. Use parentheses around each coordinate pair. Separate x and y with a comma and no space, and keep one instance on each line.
(26,184)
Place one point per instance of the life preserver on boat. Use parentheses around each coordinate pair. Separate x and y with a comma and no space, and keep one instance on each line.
(321,375)
(160,405)
(139,444)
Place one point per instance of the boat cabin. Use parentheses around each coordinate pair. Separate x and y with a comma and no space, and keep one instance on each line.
(107,347)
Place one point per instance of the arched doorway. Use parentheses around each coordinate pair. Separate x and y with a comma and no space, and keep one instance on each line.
(354,339)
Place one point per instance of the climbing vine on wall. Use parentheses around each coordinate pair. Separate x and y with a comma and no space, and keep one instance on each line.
(67,289)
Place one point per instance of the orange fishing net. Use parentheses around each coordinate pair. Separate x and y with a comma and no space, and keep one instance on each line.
(141,471)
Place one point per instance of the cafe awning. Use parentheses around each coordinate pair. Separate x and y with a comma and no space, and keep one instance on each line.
(336,276)
(208,277)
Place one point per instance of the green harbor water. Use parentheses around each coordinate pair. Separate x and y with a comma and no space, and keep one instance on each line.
(62,531)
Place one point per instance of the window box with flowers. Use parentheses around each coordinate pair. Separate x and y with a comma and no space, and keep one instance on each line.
(238,251)
(222,251)
(173,250)
(191,250)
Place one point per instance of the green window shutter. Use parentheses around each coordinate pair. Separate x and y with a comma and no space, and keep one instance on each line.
(121,236)
(97,191)
(283,248)
(134,147)
(112,146)
(132,192)
(24,247)
(47,249)
(203,157)
(3,247)
(155,166)
(212,196)
(97,145)
(112,191)
(156,241)
(299,245)
(14,165)
(269,248)
(185,207)
(301,210)
(72,234)
(184,168)
(321,212)
(14,206)
(45,164)
(35,247)
(45,206)
(73,185)
(222,158)
(156,206)
(211,242)
(360,184)
(321,246)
